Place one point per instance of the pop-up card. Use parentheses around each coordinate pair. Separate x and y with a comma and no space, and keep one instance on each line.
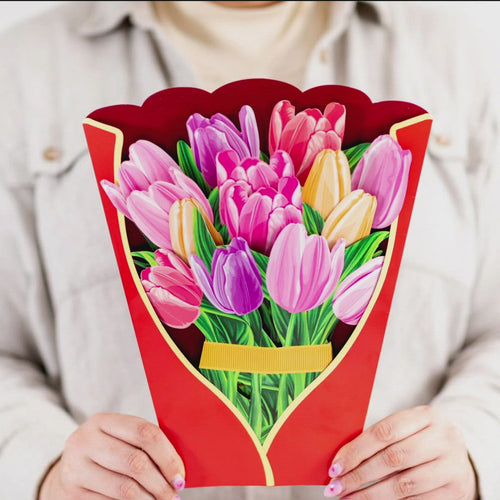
(258,232)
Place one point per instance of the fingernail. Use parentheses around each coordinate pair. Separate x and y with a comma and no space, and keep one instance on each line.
(335,470)
(178,482)
(333,489)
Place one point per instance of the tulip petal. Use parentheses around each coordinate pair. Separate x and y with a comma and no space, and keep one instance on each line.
(335,113)
(204,280)
(116,197)
(281,114)
(132,178)
(314,273)
(282,164)
(286,253)
(354,293)
(152,160)
(227,161)
(290,188)
(209,141)
(318,142)
(243,290)
(149,218)
(249,130)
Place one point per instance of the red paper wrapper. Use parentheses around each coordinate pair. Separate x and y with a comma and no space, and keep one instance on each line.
(215,442)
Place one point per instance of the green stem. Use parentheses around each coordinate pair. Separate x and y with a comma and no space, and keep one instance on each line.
(256,405)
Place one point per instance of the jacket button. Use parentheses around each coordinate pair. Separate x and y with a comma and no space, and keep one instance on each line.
(443,140)
(52,153)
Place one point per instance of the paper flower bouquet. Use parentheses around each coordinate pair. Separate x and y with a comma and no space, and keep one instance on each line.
(258,231)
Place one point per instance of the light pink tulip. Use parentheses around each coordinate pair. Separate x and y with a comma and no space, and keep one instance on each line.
(149,183)
(383,172)
(355,291)
(302,271)
(305,134)
(172,290)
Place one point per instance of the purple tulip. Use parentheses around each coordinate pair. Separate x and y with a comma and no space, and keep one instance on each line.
(209,136)
(234,286)
(258,200)
(383,172)
(355,291)
(302,271)
(149,183)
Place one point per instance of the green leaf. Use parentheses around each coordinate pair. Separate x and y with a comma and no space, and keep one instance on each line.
(213,199)
(264,157)
(262,260)
(355,153)
(312,219)
(144,259)
(225,235)
(361,252)
(203,241)
(256,405)
(260,336)
(297,332)
(268,324)
(281,318)
(189,167)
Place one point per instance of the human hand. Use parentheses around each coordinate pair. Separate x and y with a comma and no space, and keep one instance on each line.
(412,454)
(113,456)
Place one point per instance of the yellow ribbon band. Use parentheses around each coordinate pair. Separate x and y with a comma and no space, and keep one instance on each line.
(253,359)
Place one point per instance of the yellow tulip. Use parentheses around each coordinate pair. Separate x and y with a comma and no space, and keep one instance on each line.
(351,219)
(328,182)
(181,227)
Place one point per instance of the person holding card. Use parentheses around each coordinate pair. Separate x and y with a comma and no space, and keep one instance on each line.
(76,417)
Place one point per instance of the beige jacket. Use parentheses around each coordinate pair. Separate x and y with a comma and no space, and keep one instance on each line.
(67,347)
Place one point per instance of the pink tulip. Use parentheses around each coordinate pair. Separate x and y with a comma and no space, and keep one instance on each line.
(302,271)
(172,290)
(383,172)
(147,164)
(355,291)
(305,134)
(250,175)
(150,182)
(258,200)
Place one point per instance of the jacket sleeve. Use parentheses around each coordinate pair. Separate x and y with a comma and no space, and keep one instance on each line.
(33,422)
(471,393)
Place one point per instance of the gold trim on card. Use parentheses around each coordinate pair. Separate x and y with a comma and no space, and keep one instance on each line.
(408,123)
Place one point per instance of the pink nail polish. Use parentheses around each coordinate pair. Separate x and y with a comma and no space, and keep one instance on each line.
(178,482)
(333,489)
(335,470)
(176,497)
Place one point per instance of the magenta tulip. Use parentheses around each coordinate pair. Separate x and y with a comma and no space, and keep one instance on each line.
(172,290)
(149,183)
(355,291)
(209,136)
(383,172)
(258,200)
(305,134)
(302,271)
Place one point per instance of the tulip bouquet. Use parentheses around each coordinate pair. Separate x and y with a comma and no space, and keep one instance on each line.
(267,249)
